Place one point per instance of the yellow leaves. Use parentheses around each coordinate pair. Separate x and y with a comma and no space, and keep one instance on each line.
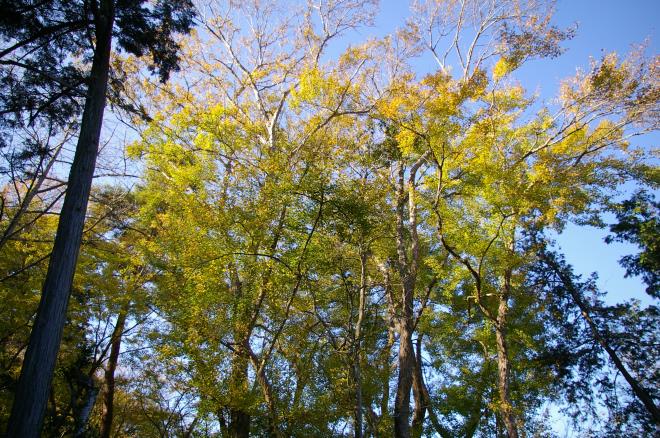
(475,86)
(309,87)
(440,82)
(135,150)
(407,141)
(443,95)
(503,67)
(608,77)
(353,56)
(628,88)
(510,98)
(391,108)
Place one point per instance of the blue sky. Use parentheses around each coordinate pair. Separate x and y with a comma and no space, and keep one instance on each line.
(603,26)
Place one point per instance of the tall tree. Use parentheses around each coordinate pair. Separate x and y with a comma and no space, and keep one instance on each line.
(566,276)
(69,29)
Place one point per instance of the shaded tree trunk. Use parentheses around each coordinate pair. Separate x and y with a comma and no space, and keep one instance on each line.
(387,351)
(109,375)
(82,414)
(404,382)
(419,413)
(239,419)
(267,391)
(39,364)
(503,365)
(357,371)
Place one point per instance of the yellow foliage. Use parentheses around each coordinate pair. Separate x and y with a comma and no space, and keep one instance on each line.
(503,67)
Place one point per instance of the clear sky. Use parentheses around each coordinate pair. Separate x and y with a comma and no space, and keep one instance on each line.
(603,26)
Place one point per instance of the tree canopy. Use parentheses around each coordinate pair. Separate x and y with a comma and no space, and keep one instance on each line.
(306,236)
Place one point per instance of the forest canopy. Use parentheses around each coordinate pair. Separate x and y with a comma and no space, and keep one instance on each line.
(295,231)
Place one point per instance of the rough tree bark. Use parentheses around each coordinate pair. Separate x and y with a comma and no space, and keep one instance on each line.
(39,364)
(405,192)
(239,419)
(81,414)
(406,358)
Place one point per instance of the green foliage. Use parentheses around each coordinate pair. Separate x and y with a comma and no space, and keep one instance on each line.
(284,204)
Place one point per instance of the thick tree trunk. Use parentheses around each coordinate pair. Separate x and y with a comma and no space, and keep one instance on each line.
(419,413)
(39,364)
(404,382)
(240,424)
(239,419)
(503,366)
(408,272)
(85,411)
(109,375)
(425,402)
(503,372)
(406,359)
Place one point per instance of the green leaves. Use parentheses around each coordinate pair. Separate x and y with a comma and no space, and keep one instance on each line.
(295,213)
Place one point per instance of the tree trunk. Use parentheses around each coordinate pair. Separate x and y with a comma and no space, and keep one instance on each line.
(426,402)
(240,424)
(503,366)
(385,355)
(357,371)
(357,378)
(419,413)
(109,394)
(273,427)
(82,414)
(239,419)
(406,358)
(266,390)
(408,273)
(39,364)
(404,382)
